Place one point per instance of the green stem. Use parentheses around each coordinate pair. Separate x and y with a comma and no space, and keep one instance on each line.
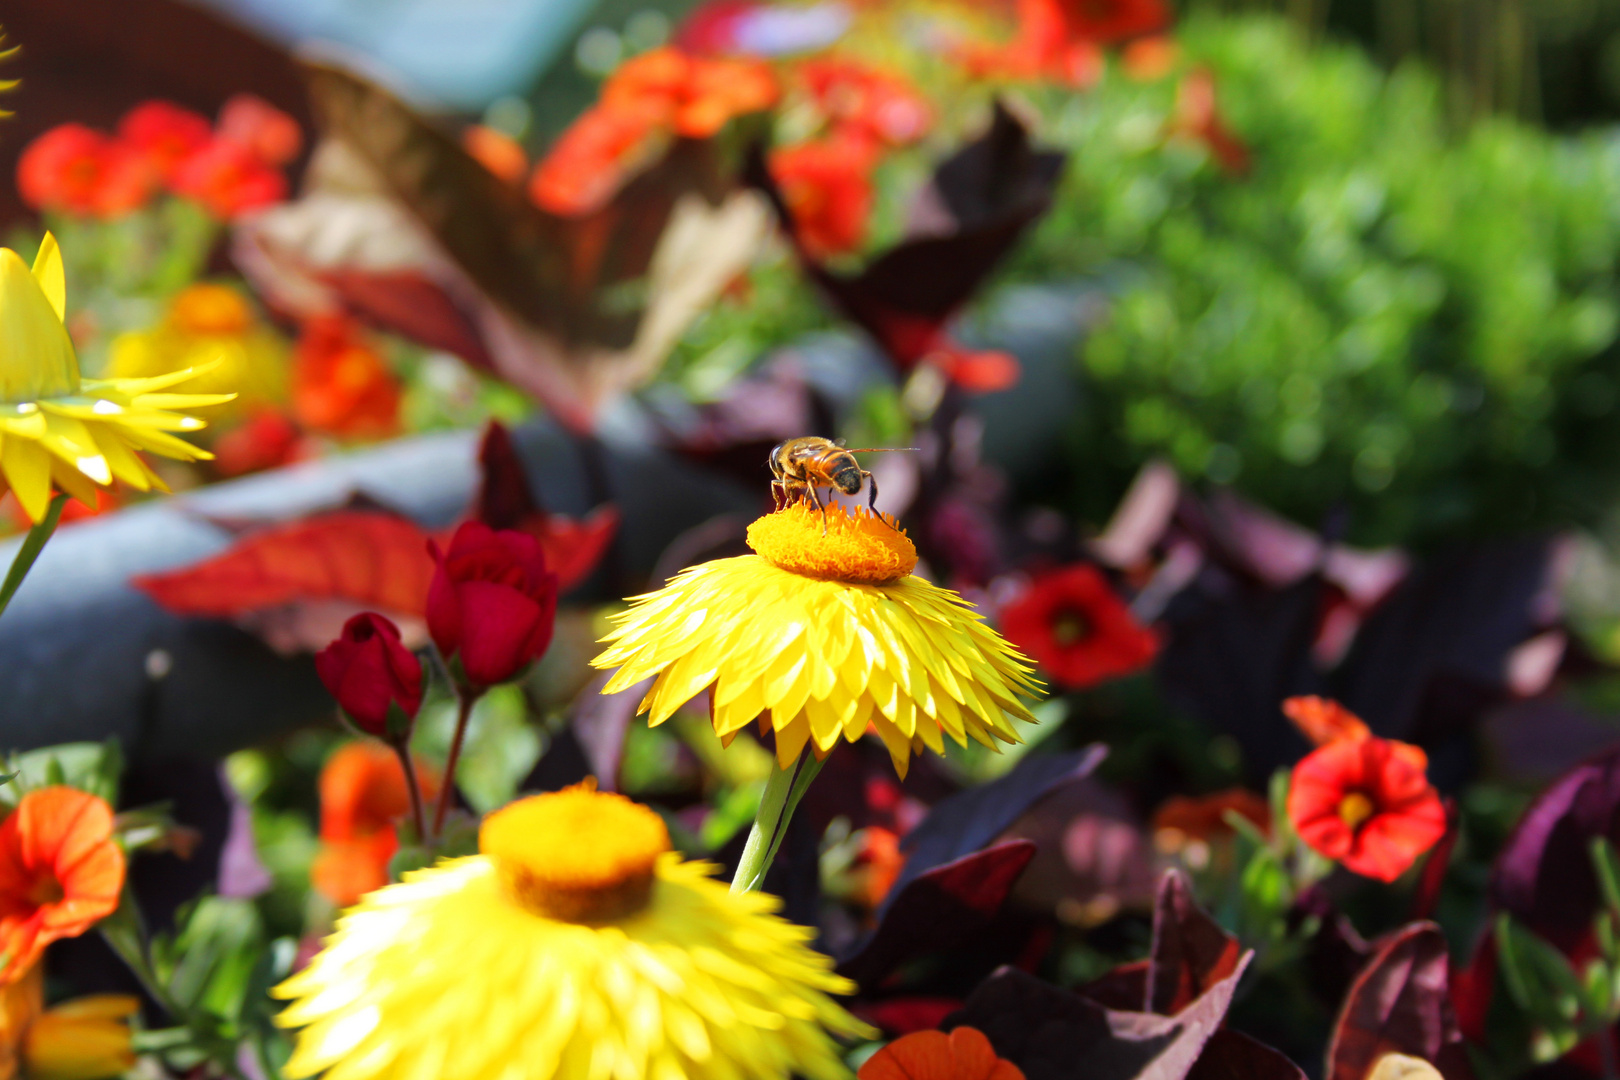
(418,817)
(783,791)
(465,698)
(31,547)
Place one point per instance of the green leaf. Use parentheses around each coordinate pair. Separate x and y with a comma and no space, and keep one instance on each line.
(1539,977)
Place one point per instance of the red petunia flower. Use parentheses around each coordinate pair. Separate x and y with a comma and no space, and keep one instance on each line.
(1109,22)
(60,873)
(1197,118)
(76,170)
(964,1054)
(229,179)
(652,97)
(1366,803)
(260,128)
(1323,720)
(1073,624)
(828,186)
(340,384)
(164,135)
(363,795)
(862,102)
(1043,49)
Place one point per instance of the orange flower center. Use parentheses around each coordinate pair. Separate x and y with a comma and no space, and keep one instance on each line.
(577,855)
(859,547)
(1354,809)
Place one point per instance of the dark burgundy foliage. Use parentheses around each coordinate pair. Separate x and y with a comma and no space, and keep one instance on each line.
(969,820)
(1232,1055)
(949,909)
(985,196)
(1400,1004)
(1543,875)
(1191,953)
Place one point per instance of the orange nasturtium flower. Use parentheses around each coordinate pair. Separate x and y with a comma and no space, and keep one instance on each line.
(340,384)
(1363,801)
(363,794)
(827,184)
(964,1054)
(60,873)
(83,1039)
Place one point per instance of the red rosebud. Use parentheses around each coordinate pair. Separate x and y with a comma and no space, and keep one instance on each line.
(369,672)
(492,602)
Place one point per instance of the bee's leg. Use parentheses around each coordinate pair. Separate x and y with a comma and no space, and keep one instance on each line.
(871,498)
(815,499)
(779,493)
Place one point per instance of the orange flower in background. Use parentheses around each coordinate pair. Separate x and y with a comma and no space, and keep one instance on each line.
(1042,49)
(657,95)
(1181,819)
(82,1039)
(229,179)
(60,873)
(1323,720)
(363,795)
(828,187)
(863,102)
(1073,624)
(1151,58)
(75,170)
(164,135)
(1197,118)
(259,127)
(1360,800)
(964,1054)
(496,151)
(340,384)
(268,439)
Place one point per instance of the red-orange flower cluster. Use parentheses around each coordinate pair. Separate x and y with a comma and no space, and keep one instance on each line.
(340,384)
(658,95)
(363,794)
(159,147)
(1062,41)
(1362,801)
(1073,624)
(964,1054)
(61,872)
(1197,118)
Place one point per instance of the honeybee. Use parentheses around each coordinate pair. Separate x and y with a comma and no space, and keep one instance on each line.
(801,465)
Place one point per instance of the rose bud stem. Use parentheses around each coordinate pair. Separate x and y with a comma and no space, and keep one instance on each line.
(402,747)
(466,697)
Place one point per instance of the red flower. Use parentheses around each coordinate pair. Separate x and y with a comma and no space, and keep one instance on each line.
(164,135)
(60,873)
(363,793)
(1367,803)
(828,187)
(370,673)
(496,151)
(1323,720)
(259,127)
(1110,21)
(266,440)
(1197,118)
(964,1054)
(1073,624)
(341,385)
(589,162)
(492,602)
(1043,49)
(229,179)
(79,171)
(863,102)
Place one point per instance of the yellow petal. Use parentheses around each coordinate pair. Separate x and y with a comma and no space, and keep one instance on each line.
(27,468)
(48,272)
(36,355)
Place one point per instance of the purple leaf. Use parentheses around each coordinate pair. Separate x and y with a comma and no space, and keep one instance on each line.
(970,819)
(1054,1034)
(1191,953)
(1232,1055)
(600,722)
(1401,1004)
(1543,874)
(945,909)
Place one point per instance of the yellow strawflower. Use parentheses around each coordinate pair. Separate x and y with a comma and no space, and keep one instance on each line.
(84,1039)
(58,429)
(821,635)
(575,946)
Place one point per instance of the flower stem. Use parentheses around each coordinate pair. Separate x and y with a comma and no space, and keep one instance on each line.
(783,791)
(31,547)
(418,816)
(466,696)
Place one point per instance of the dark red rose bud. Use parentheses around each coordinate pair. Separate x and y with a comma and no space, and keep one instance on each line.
(377,681)
(492,602)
